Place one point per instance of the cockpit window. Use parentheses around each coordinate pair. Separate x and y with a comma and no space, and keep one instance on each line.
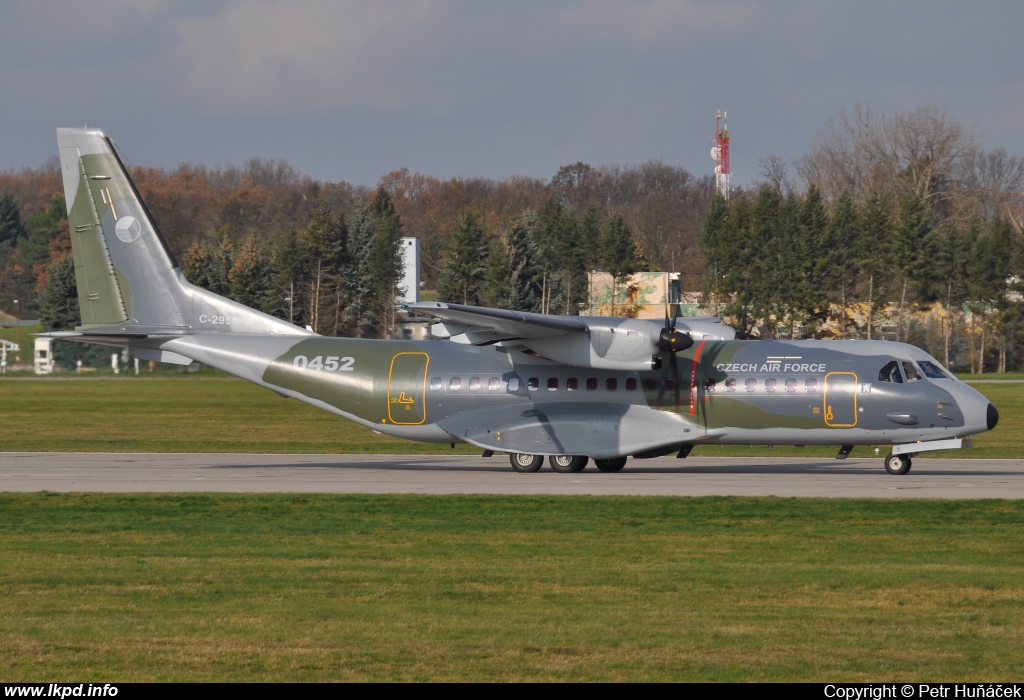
(912,374)
(891,373)
(932,370)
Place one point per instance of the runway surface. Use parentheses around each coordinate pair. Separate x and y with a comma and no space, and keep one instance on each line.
(694,476)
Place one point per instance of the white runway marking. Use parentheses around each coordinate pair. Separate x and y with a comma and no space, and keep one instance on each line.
(694,476)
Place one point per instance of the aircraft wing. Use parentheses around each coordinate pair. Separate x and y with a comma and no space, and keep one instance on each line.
(582,341)
(484,326)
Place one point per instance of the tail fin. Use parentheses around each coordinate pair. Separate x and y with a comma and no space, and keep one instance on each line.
(128,280)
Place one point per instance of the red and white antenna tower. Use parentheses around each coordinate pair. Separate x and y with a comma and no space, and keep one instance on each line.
(720,153)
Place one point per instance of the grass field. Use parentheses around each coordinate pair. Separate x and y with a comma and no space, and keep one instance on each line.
(207,413)
(319,587)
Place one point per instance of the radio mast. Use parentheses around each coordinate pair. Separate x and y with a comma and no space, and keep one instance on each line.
(720,154)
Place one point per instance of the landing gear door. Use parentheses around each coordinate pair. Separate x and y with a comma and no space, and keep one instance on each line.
(407,383)
(840,399)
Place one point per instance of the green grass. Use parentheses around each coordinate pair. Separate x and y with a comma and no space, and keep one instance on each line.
(323,587)
(218,414)
(179,414)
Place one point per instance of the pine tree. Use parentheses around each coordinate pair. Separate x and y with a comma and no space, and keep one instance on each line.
(251,274)
(361,310)
(385,261)
(462,278)
(525,275)
(812,249)
(950,277)
(590,238)
(911,238)
(714,247)
(874,252)
(619,254)
(324,251)
(289,298)
(59,298)
(839,273)
(497,283)
(11,227)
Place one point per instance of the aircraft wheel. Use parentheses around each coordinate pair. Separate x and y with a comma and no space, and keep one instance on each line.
(526,463)
(897,464)
(567,464)
(610,465)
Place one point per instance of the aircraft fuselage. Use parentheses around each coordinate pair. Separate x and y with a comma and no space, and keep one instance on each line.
(729,392)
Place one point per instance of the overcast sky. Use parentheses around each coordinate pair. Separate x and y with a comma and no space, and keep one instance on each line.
(352,90)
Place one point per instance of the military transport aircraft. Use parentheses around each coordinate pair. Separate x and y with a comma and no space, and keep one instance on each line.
(567,387)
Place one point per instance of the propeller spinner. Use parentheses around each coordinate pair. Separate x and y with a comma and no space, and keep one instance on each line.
(670,341)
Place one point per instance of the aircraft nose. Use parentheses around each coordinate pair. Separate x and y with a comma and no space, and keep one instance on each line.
(992,417)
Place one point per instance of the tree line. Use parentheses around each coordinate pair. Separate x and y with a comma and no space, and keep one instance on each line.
(903,227)
(313,252)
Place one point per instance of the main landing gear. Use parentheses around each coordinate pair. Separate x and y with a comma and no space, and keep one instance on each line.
(897,464)
(568,464)
(564,464)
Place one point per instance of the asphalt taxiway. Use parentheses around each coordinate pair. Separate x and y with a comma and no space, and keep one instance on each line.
(694,476)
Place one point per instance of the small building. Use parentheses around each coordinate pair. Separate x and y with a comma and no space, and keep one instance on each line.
(410,284)
(6,346)
(44,356)
(647,295)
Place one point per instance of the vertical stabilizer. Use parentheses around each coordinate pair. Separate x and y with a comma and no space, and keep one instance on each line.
(127,277)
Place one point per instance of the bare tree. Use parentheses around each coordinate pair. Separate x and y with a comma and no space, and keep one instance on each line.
(992,183)
(921,151)
(774,171)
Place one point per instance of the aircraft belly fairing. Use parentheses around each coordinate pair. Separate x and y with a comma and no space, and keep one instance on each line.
(598,430)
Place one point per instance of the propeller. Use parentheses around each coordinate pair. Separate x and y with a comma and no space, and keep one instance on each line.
(670,341)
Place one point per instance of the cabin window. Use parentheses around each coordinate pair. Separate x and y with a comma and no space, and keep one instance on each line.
(891,373)
(591,383)
(650,385)
(811,386)
(932,370)
(631,384)
(912,374)
(750,385)
(770,385)
(513,384)
(493,384)
(552,383)
(611,384)
(533,384)
(790,386)
(709,385)
(455,384)
(730,385)
(572,384)
(435,384)
(474,384)
(670,385)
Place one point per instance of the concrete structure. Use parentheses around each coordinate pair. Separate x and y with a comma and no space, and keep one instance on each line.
(643,295)
(410,284)
(44,356)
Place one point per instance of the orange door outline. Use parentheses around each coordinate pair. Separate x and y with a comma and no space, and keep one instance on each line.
(408,396)
(829,413)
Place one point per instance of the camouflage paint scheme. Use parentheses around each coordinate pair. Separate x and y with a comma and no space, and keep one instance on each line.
(519,383)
